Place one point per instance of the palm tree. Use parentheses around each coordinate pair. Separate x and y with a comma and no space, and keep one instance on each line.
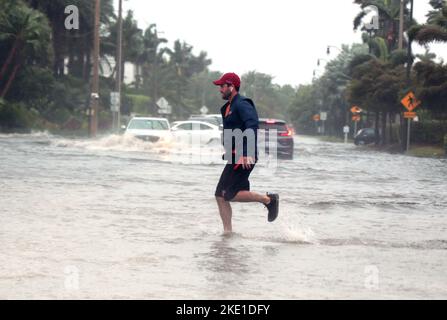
(75,44)
(150,63)
(388,20)
(181,66)
(385,43)
(28,31)
(427,56)
(435,30)
(132,40)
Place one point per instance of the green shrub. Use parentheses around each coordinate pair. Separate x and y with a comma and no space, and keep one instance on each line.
(16,116)
(140,104)
(431,132)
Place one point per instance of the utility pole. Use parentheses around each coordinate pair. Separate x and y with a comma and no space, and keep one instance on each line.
(409,64)
(401,25)
(119,58)
(409,52)
(401,47)
(94,97)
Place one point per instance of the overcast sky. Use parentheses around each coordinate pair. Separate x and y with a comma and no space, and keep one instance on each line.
(283,38)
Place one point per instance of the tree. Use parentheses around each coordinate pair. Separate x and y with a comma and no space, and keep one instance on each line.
(182,65)
(132,41)
(74,44)
(389,11)
(435,30)
(152,63)
(27,30)
(377,86)
(431,79)
(303,108)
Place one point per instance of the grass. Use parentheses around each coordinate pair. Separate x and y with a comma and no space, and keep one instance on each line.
(427,151)
(423,151)
(334,139)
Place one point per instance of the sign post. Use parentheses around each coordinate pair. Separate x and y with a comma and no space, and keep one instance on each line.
(115,104)
(410,102)
(323,118)
(346,132)
(356,117)
(316,118)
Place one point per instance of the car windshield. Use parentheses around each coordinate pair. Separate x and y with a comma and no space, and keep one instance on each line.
(367,131)
(148,124)
(218,120)
(214,121)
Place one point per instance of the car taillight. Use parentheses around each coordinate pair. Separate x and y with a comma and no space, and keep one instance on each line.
(289,133)
(270,121)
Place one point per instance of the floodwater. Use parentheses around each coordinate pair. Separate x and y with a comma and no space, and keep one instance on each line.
(118,218)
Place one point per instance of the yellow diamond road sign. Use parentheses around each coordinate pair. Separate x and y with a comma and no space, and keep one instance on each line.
(410,102)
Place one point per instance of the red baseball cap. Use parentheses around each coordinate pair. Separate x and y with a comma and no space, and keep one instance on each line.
(229,78)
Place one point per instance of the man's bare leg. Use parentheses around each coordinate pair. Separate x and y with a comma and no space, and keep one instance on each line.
(225,214)
(248,196)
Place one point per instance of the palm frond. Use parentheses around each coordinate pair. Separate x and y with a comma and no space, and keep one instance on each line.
(431,33)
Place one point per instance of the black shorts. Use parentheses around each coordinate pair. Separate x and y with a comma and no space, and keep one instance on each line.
(232,181)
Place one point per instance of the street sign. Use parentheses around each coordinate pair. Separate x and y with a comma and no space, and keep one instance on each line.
(346,129)
(410,101)
(164,107)
(410,115)
(356,118)
(346,132)
(316,117)
(204,110)
(323,116)
(115,101)
(356,109)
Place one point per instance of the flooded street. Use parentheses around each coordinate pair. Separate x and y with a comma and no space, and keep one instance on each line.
(119,218)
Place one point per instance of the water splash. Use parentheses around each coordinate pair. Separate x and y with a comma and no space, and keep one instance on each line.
(292,233)
(33,134)
(126,143)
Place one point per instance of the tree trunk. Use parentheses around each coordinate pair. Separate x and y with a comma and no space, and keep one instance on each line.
(12,54)
(137,76)
(10,80)
(386,137)
(376,127)
(391,127)
(83,59)
(88,66)
(71,60)
(122,70)
(59,45)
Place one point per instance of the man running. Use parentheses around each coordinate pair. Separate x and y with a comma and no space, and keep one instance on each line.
(239,115)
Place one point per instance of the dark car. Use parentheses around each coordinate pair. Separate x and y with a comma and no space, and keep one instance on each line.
(365,136)
(284,138)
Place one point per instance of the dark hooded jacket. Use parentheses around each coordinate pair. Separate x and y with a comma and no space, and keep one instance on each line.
(243,116)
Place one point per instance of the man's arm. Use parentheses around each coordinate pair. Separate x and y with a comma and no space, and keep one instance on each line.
(249,116)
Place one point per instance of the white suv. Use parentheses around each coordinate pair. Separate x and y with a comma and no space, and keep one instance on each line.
(149,129)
